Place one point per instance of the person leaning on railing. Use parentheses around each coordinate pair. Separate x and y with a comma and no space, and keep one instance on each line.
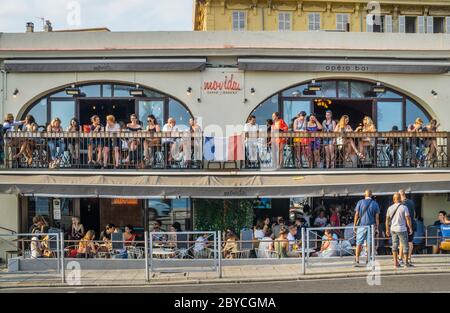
(95,143)
(197,141)
(27,146)
(348,144)
(73,144)
(9,125)
(417,145)
(53,144)
(151,145)
(431,144)
(300,144)
(367,126)
(279,125)
(111,143)
(133,143)
(328,126)
(313,144)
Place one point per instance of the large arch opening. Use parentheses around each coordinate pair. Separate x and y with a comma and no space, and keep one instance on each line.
(355,98)
(107,98)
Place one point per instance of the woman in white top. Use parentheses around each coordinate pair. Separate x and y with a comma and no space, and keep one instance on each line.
(258,231)
(196,132)
(348,144)
(266,247)
(251,142)
(111,143)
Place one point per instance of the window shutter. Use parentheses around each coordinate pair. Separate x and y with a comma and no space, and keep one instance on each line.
(430,25)
(421,24)
(401,24)
(447,25)
(369,23)
(388,23)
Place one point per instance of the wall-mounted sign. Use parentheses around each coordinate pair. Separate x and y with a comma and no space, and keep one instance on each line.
(121,201)
(56,209)
(225,84)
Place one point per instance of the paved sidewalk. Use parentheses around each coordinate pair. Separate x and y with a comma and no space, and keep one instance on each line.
(320,269)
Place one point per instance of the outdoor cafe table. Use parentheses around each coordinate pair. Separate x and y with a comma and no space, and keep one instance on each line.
(163,253)
(298,253)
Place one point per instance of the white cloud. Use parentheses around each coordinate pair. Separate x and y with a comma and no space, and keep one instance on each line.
(118,15)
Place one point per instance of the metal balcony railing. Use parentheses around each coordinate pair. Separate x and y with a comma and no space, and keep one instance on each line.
(252,150)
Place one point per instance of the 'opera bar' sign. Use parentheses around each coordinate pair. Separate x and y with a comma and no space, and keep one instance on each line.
(344,65)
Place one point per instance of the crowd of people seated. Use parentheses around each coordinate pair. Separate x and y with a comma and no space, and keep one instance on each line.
(306,151)
(334,234)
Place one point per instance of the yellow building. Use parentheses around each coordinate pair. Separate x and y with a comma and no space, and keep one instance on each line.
(404,16)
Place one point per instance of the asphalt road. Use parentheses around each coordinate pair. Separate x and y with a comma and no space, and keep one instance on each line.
(401,283)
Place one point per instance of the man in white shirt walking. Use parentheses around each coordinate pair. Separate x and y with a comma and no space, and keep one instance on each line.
(398,224)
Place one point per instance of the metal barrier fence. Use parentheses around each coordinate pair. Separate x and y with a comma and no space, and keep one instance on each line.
(339,245)
(182,252)
(47,249)
(185,150)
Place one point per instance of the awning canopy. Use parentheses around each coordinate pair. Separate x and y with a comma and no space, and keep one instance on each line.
(105,65)
(348,65)
(217,185)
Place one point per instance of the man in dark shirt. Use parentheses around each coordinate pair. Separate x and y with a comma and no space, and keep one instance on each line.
(412,213)
(441,218)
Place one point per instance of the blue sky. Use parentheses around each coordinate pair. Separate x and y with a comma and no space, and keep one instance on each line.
(117,15)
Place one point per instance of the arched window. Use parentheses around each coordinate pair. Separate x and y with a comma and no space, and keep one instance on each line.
(387,107)
(103,99)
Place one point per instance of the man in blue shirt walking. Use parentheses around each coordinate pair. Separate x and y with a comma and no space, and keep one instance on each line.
(367,213)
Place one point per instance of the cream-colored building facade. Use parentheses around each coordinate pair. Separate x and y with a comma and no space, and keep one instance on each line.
(262,64)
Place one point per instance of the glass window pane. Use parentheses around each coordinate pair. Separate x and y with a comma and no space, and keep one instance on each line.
(328,89)
(151,107)
(122,91)
(264,111)
(61,94)
(39,112)
(360,89)
(292,108)
(389,115)
(413,111)
(91,90)
(389,95)
(170,211)
(152,94)
(343,89)
(38,206)
(179,113)
(65,110)
(107,91)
